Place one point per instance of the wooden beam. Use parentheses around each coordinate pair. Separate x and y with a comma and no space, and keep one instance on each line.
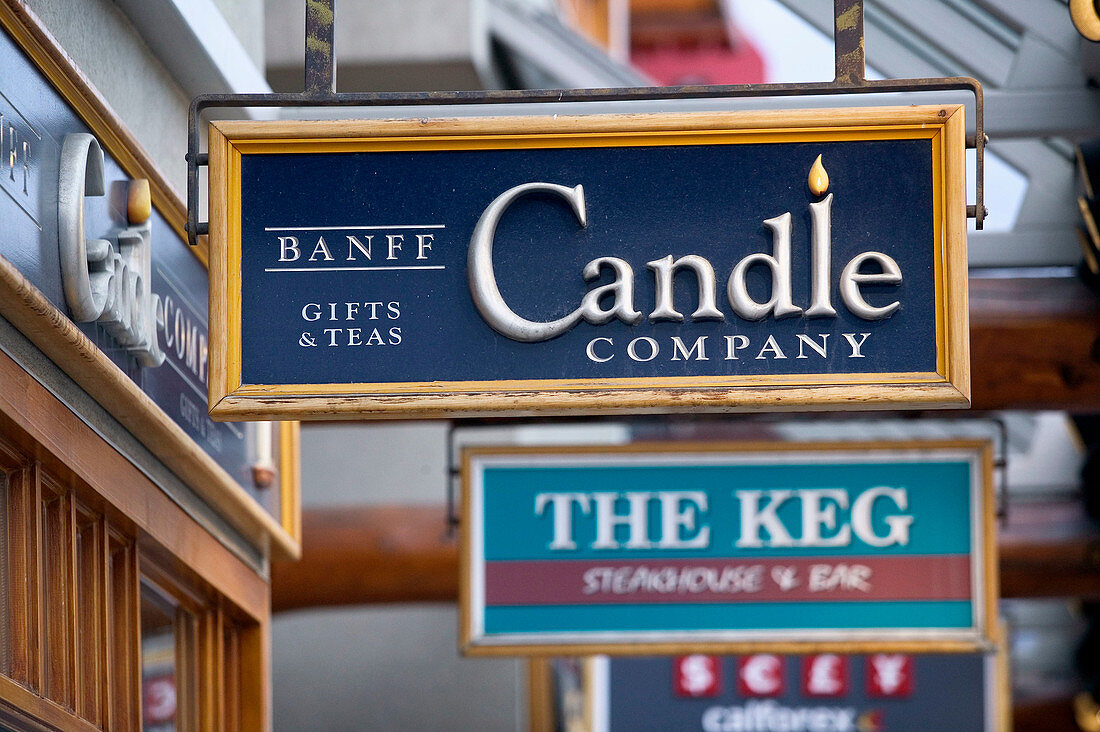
(369,554)
(1050,549)
(378,554)
(1034,344)
(1049,714)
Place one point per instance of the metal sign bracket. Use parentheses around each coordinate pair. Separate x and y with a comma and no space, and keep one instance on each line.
(320,91)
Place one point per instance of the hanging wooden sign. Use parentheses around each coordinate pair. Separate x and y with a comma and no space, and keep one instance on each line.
(732,261)
(670,548)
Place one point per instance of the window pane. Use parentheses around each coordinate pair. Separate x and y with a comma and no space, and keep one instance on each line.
(91,609)
(159,698)
(122,612)
(231,677)
(5,600)
(56,600)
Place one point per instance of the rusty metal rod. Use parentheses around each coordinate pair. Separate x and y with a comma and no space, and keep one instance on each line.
(848,45)
(320,71)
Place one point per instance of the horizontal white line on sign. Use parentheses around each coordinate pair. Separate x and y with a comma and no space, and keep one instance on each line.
(349,228)
(351,269)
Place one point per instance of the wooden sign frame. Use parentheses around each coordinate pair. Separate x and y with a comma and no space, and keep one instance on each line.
(984,592)
(948,385)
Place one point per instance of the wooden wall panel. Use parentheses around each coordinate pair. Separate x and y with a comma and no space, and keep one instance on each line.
(1034,344)
(380,554)
(84,526)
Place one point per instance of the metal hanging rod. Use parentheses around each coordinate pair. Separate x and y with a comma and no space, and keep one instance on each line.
(320,91)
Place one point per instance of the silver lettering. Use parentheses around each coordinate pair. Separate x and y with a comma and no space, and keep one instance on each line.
(856,345)
(423,244)
(322,249)
(621,292)
(11,151)
(734,343)
(482,279)
(590,350)
(851,278)
(664,271)
(101,283)
(805,340)
(632,349)
(288,244)
(821,214)
(393,244)
(679,349)
(353,241)
(780,303)
(770,346)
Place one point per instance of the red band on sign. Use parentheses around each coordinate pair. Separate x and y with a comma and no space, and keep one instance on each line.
(590,582)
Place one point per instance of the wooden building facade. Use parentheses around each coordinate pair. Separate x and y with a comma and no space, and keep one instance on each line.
(135,533)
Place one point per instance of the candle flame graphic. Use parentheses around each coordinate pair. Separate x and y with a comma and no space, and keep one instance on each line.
(819,179)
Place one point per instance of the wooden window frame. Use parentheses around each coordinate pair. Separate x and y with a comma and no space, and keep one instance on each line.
(87,523)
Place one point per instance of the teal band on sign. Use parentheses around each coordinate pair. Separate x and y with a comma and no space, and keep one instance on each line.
(938,492)
(745,617)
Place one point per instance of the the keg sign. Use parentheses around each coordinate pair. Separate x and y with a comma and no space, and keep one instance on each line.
(671,548)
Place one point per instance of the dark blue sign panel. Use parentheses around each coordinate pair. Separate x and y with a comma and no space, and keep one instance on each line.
(35,121)
(756,693)
(711,261)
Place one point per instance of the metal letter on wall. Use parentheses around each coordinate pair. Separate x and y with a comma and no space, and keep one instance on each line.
(93,195)
(102,282)
(672,262)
